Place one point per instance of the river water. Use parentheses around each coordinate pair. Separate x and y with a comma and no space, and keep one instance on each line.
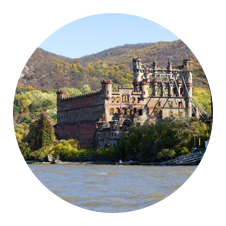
(112,188)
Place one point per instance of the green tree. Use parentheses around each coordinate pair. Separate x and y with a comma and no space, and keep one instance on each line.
(22,102)
(41,132)
(47,103)
(85,89)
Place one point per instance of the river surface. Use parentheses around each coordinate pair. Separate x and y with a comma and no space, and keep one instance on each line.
(112,188)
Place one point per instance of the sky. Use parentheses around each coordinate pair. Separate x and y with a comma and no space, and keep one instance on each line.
(96,33)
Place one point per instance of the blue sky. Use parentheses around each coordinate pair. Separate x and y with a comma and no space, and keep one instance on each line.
(99,32)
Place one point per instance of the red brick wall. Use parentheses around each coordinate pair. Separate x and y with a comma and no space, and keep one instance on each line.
(82,131)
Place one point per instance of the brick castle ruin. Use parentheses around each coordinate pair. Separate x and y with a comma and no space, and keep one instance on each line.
(102,118)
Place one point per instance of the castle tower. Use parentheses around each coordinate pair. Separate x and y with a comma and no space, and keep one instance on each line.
(137,69)
(144,87)
(169,67)
(155,69)
(60,94)
(188,81)
(106,89)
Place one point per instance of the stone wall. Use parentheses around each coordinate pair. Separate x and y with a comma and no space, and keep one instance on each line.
(78,116)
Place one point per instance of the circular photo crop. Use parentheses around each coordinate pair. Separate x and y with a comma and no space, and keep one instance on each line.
(113,113)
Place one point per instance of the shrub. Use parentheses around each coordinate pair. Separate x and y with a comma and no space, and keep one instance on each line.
(108,152)
(184,151)
(166,154)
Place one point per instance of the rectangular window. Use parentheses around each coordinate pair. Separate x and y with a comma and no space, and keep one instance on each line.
(111,111)
(113,99)
(158,103)
(140,111)
(181,91)
(159,91)
(150,90)
(166,91)
(118,99)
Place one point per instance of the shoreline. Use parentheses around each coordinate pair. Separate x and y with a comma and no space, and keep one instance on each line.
(30,162)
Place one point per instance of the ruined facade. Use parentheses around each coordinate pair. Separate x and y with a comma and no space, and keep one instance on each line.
(102,117)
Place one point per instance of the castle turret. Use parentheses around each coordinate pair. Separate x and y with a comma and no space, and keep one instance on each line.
(155,69)
(188,81)
(60,94)
(106,89)
(144,87)
(169,67)
(185,63)
(137,69)
(135,85)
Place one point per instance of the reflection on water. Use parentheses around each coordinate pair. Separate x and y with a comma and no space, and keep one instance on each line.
(112,188)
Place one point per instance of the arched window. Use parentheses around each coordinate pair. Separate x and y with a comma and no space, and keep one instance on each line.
(128,111)
(123,111)
(117,111)
(125,98)
(133,99)
(111,111)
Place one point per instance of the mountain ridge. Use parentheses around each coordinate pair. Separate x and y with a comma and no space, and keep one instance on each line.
(45,70)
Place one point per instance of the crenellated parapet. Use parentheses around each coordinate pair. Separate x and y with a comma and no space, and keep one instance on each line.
(106,82)
(80,96)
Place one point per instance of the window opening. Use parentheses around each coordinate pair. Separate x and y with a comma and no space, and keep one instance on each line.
(158,103)
(159,91)
(111,111)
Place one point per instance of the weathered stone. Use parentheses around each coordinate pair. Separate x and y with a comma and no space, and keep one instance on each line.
(101,118)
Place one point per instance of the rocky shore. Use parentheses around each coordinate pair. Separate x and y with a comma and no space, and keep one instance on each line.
(96,160)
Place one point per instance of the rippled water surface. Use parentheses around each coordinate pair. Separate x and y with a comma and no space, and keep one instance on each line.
(112,188)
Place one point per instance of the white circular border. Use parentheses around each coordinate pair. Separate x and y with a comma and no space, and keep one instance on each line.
(24,25)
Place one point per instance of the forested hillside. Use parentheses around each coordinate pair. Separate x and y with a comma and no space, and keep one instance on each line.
(45,70)
(35,110)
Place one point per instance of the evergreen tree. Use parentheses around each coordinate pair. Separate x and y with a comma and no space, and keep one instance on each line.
(41,132)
